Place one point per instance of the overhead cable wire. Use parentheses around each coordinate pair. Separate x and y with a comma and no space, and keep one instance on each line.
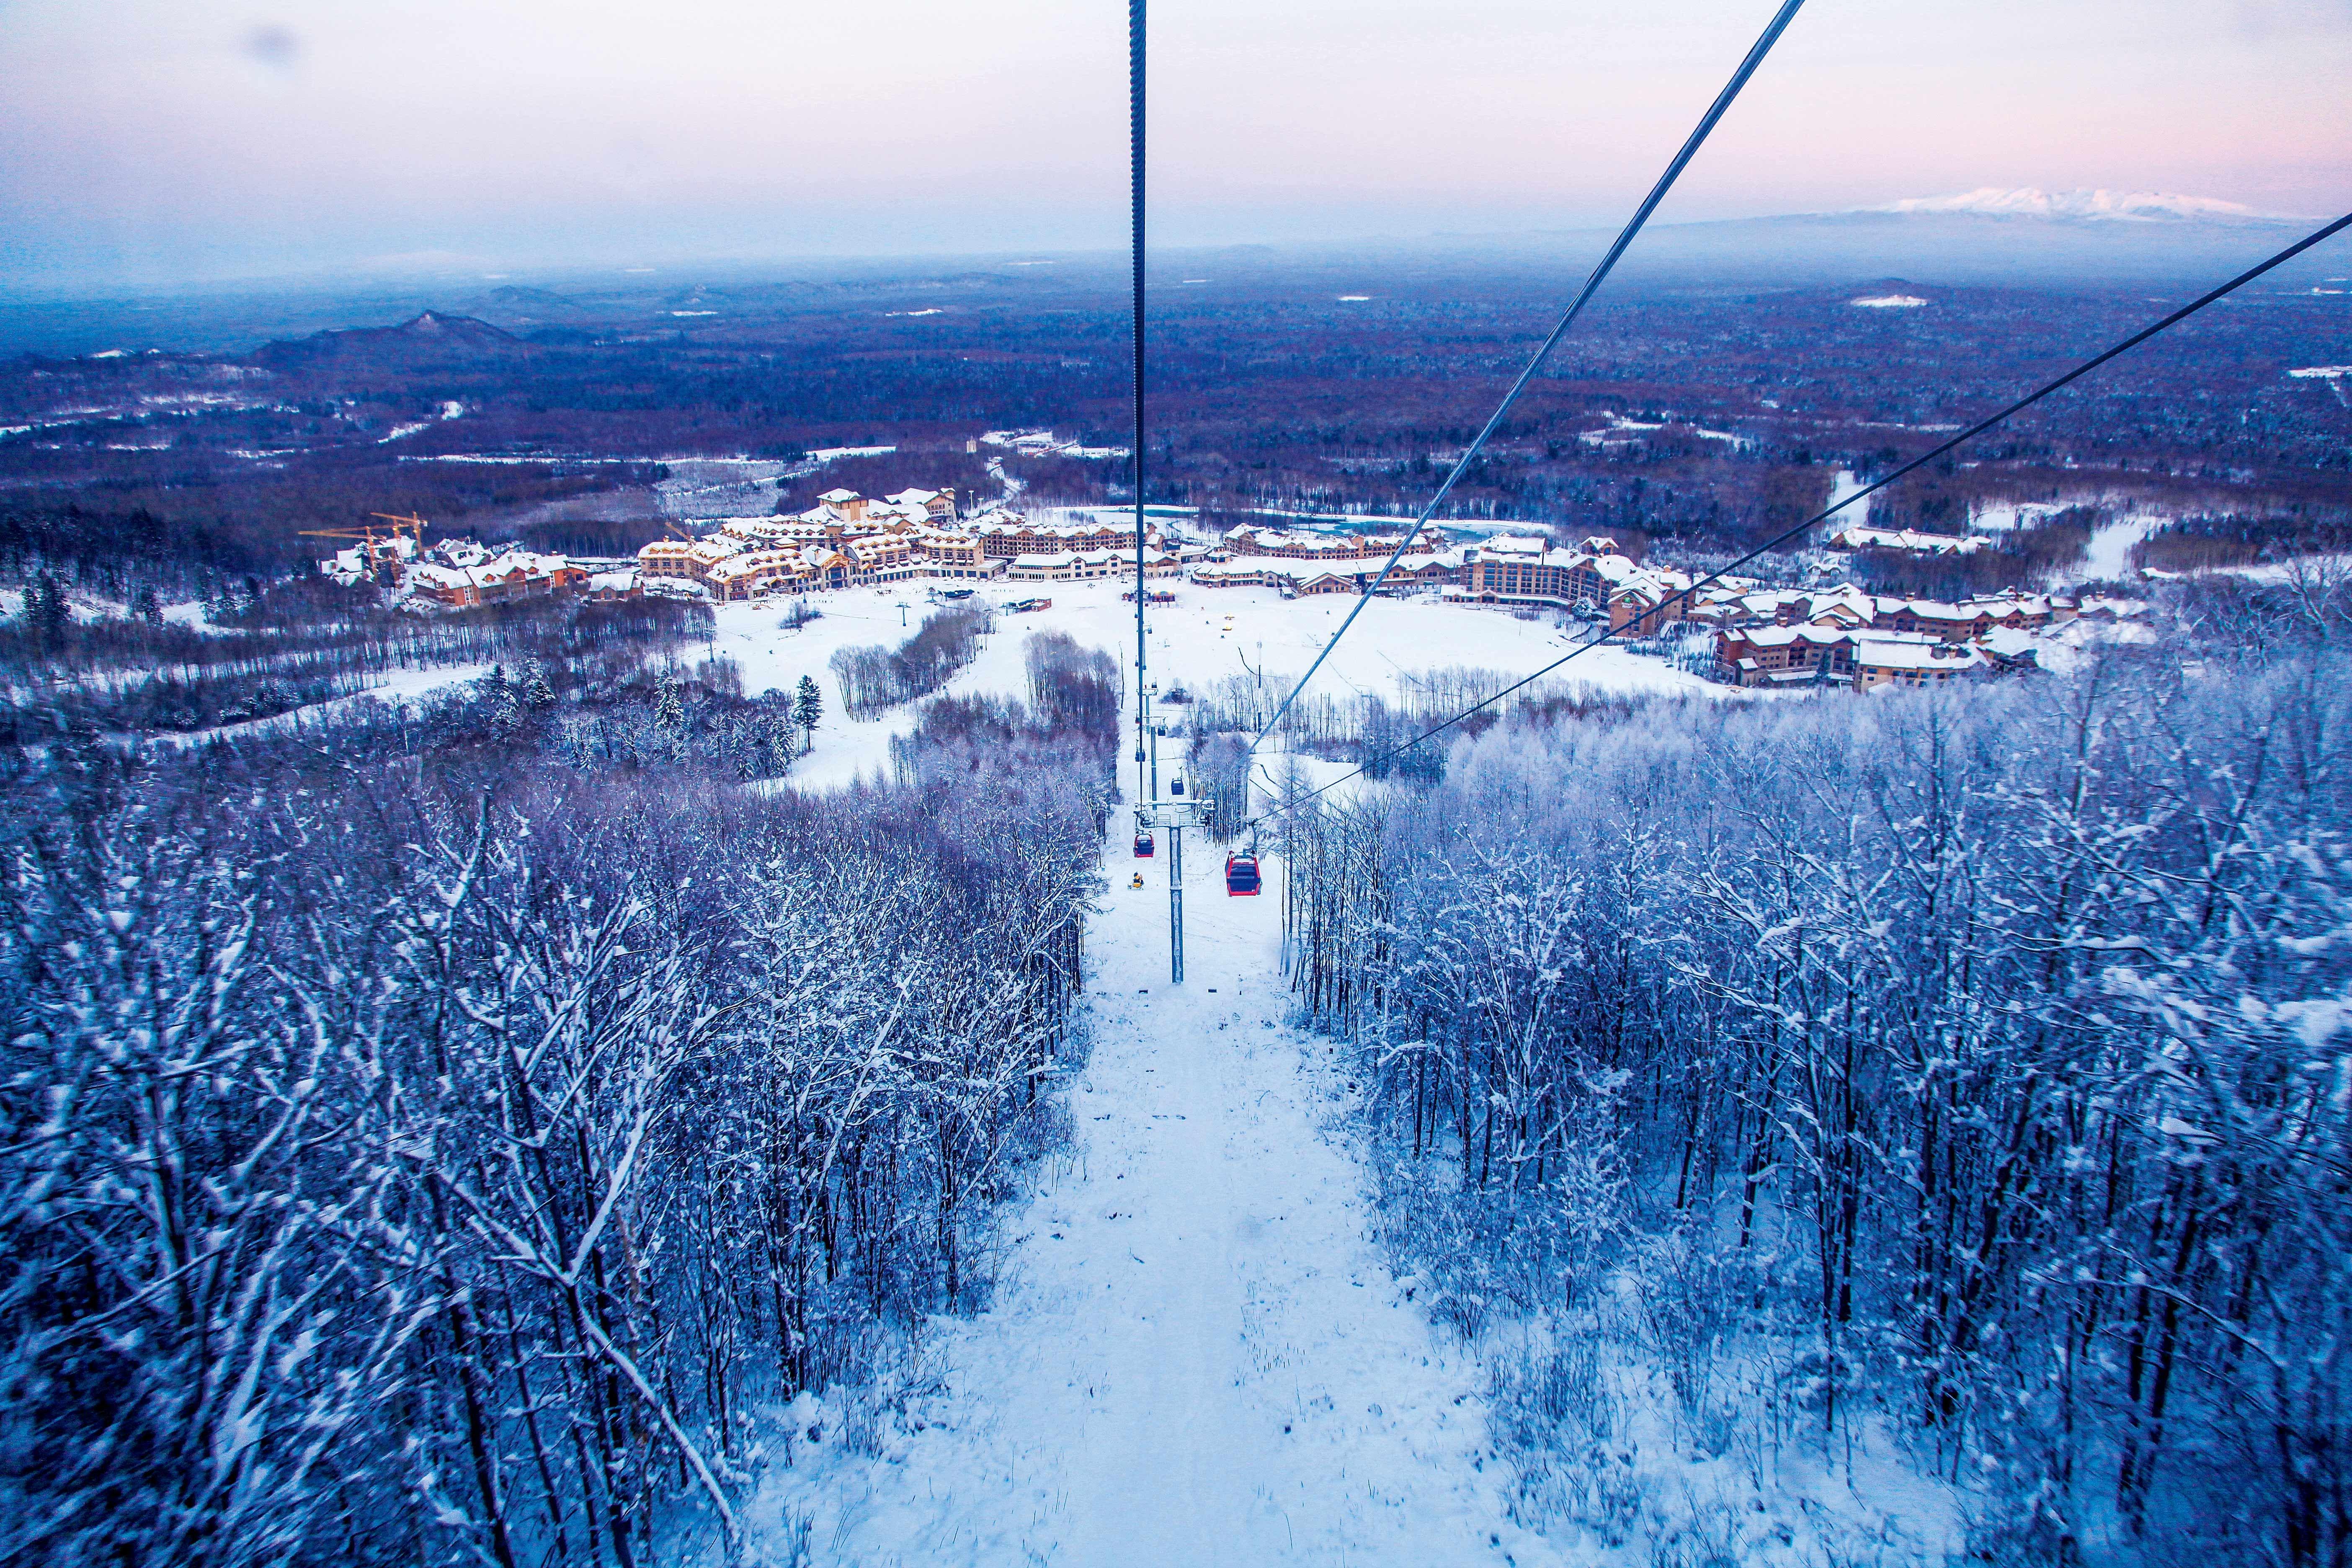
(1723,100)
(1656,615)
(1134,39)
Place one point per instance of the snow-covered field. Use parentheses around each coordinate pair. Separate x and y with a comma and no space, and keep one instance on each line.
(1189,643)
(1195,1354)
(2109,556)
(389,686)
(1843,487)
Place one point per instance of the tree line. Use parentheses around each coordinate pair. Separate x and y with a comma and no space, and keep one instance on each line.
(875,677)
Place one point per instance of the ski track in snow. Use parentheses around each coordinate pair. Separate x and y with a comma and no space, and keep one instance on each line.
(1195,1353)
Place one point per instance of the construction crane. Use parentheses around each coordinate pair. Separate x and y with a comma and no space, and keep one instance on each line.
(380,547)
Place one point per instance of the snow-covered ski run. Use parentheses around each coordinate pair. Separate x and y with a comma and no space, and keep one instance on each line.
(1195,1354)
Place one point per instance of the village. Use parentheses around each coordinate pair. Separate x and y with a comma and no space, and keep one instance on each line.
(1756,634)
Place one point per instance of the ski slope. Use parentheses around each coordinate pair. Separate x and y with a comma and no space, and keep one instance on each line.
(1189,643)
(1194,1355)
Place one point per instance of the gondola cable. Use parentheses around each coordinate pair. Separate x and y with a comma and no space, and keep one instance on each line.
(1697,138)
(1656,615)
(1135,63)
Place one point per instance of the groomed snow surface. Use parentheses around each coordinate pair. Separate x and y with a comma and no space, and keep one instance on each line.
(1195,1354)
(1188,644)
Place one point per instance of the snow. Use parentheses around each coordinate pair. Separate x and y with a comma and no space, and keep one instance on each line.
(694,313)
(709,488)
(2001,516)
(1889,302)
(1842,489)
(1189,643)
(2318,567)
(1353,298)
(2099,205)
(2063,649)
(1354,519)
(2109,557)
(190,614)
(933,311)
(390,686)
(2322,372)
(1040,443)
(1194,1353)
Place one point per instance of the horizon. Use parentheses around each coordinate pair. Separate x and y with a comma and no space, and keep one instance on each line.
(445,270)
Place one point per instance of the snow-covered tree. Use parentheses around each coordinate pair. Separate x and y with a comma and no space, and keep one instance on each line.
(808,709)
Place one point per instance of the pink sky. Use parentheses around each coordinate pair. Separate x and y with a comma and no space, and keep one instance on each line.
(166,140)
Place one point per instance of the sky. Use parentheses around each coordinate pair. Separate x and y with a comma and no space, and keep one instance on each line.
(163,142)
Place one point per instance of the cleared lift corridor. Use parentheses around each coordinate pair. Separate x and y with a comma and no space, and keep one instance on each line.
(1194,1355)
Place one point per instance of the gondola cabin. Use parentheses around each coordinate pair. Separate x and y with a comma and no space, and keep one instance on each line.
(1241,876)
(1176,786)
(1143,847)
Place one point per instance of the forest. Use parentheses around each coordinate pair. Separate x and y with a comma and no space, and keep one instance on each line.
(1964,1072)
(431,1135)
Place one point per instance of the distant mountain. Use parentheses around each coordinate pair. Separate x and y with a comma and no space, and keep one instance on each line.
(429,337)
(517,295)
(1993,234)
(2083,206)
(518,307)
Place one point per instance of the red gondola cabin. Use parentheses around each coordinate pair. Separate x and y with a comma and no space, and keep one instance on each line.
(1143,847)
(1241,876)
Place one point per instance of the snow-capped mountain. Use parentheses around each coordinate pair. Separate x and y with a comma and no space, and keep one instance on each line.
(2090,206)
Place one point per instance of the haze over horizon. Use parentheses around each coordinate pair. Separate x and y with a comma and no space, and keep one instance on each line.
(153,146)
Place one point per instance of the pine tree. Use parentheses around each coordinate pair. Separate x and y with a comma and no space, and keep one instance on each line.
(671,716)
(808,707)
(145,606)
(537,691)
(498,697)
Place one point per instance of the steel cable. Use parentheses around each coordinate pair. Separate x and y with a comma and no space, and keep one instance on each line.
(1656,615)
(1754,57)
(1134,61)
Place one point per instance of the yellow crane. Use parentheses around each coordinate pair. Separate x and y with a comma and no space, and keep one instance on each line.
(381,546)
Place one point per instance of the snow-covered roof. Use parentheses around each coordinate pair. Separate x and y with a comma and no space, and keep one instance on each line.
(1858,538)
(498,568)
(1884,653)
(752,562)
